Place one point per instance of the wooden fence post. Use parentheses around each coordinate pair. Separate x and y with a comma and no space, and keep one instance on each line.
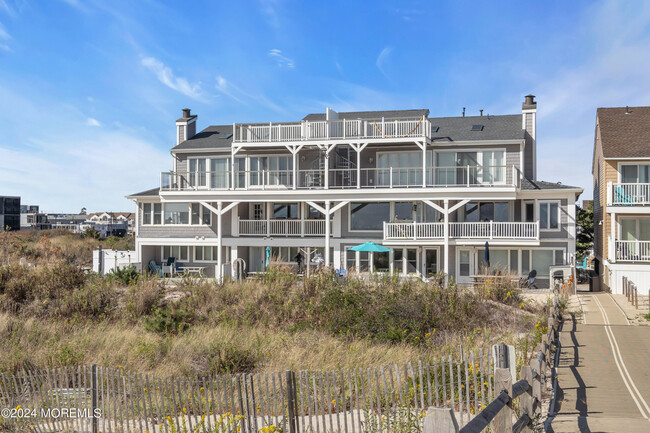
(527,397)
(292,401)
(636,297)
(502,422)
(536,367)
(93,391)
(440,420)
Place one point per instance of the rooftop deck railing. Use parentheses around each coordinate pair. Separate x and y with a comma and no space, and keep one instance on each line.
(342,178)
(339,129)
(633,251)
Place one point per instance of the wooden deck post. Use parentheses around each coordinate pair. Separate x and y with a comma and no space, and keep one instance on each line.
(536,371)
(440,420)
(502,422)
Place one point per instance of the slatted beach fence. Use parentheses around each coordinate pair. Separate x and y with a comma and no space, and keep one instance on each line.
(389,398)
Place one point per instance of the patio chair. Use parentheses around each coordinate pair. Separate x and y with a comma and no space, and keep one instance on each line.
(178,267)
(528,282)
(169,267)
(155,269)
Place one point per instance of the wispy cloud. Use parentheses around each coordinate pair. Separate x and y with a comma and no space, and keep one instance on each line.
(166,76)
(4,37)
(93,122)
(270,9)
(382,60)
(281,59)
(234,92)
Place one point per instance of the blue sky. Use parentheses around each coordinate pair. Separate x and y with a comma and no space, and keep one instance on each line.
(90,90)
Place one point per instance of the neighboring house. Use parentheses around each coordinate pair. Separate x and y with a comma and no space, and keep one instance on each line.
(112,221)
(621,171)
(34,221)
(76,223)
(434,190)
(9,213)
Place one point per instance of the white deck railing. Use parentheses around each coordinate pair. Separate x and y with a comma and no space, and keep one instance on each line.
(332,130)
(637,251)
(464,230)
(282,227)
(342,178)
(628,194)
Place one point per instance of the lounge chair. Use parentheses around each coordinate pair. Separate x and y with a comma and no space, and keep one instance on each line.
(529,282)
(155,269)
(169,267)
(620,197)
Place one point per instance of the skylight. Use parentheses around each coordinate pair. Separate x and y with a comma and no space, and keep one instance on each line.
(435,128)
(477,127)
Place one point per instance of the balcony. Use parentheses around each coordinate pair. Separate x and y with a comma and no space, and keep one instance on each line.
(397,128)
(628,194)
(465,230)
(632,251)
(343,178)
(282,227)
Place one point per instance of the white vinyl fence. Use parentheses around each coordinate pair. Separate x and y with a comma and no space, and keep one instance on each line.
(105,261)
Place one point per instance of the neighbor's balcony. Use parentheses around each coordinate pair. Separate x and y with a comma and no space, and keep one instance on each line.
(628,194)
(464,230)
(343,178)
(282,227)
(631,251)
(332,130)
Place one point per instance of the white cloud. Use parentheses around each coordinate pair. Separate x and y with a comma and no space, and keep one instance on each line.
(3,33)
(234,92)
(270,9)
(93,122)
(382,60)
(66,163)
(281,59)
(166,76)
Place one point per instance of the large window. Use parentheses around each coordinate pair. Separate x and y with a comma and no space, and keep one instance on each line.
(403,211)
(369,216)
(179,252)
(635,229)
(152,213)
(209,172)
(549,215)
(486,211)
(177,213)
(406,167)
(462,168)
(146,213)
(284,254)
(285,211)
(635,173)
(205,254)
(201,215)
(271,170)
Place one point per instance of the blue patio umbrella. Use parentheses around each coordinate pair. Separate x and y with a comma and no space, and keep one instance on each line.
(370,247)
(268,255)
(487,255)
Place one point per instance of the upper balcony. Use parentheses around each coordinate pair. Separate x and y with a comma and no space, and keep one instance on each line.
(338,178)
(628,194)
(343,129)
(474,231)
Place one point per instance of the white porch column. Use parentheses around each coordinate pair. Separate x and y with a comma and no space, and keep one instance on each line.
(357,260)
(234,221)
(219,241)
(234,255)
(358,149)
(446,243)
(371,262)
(337,257)
(327,232)
(295,170)
(391,258)
(611,244)
(424,165)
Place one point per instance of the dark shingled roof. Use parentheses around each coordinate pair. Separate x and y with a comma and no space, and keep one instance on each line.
(507,127)
(350,115)
(625,135)
(212,137)
(148,193)
(537,185)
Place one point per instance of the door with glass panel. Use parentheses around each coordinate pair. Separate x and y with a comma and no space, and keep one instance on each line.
(634,239)
(399,169)
(493,170)
(467,174)
(430,262)
(219,173)
(197,176)
(465,266)
(635,188)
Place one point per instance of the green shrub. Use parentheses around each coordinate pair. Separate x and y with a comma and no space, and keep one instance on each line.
(143,297)
(168,320)
(126,276)
(94,299)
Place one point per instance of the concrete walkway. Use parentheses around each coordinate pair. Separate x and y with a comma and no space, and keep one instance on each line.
(603,371)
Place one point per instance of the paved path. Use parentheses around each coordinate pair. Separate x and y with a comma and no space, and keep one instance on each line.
(603,371)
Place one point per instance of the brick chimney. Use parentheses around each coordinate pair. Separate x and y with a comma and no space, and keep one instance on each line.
(185,126)
(529,125)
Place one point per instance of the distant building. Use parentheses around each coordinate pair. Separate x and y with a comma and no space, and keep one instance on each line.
(34,221)
(24,208)
(119,220)
(76,223)
(586,204)
(9,213)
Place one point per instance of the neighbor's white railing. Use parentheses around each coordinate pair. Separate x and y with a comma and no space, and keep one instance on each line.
(331,130)
(638,251)
(282,227)
(628,194)
(463,230)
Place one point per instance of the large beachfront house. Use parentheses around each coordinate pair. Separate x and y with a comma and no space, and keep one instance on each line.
(621,171)
(433,190)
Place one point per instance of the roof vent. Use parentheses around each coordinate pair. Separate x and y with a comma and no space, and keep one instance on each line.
(627,110)
(477,127)
(481,112)
(186,113)
(463,111)
(435,128)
